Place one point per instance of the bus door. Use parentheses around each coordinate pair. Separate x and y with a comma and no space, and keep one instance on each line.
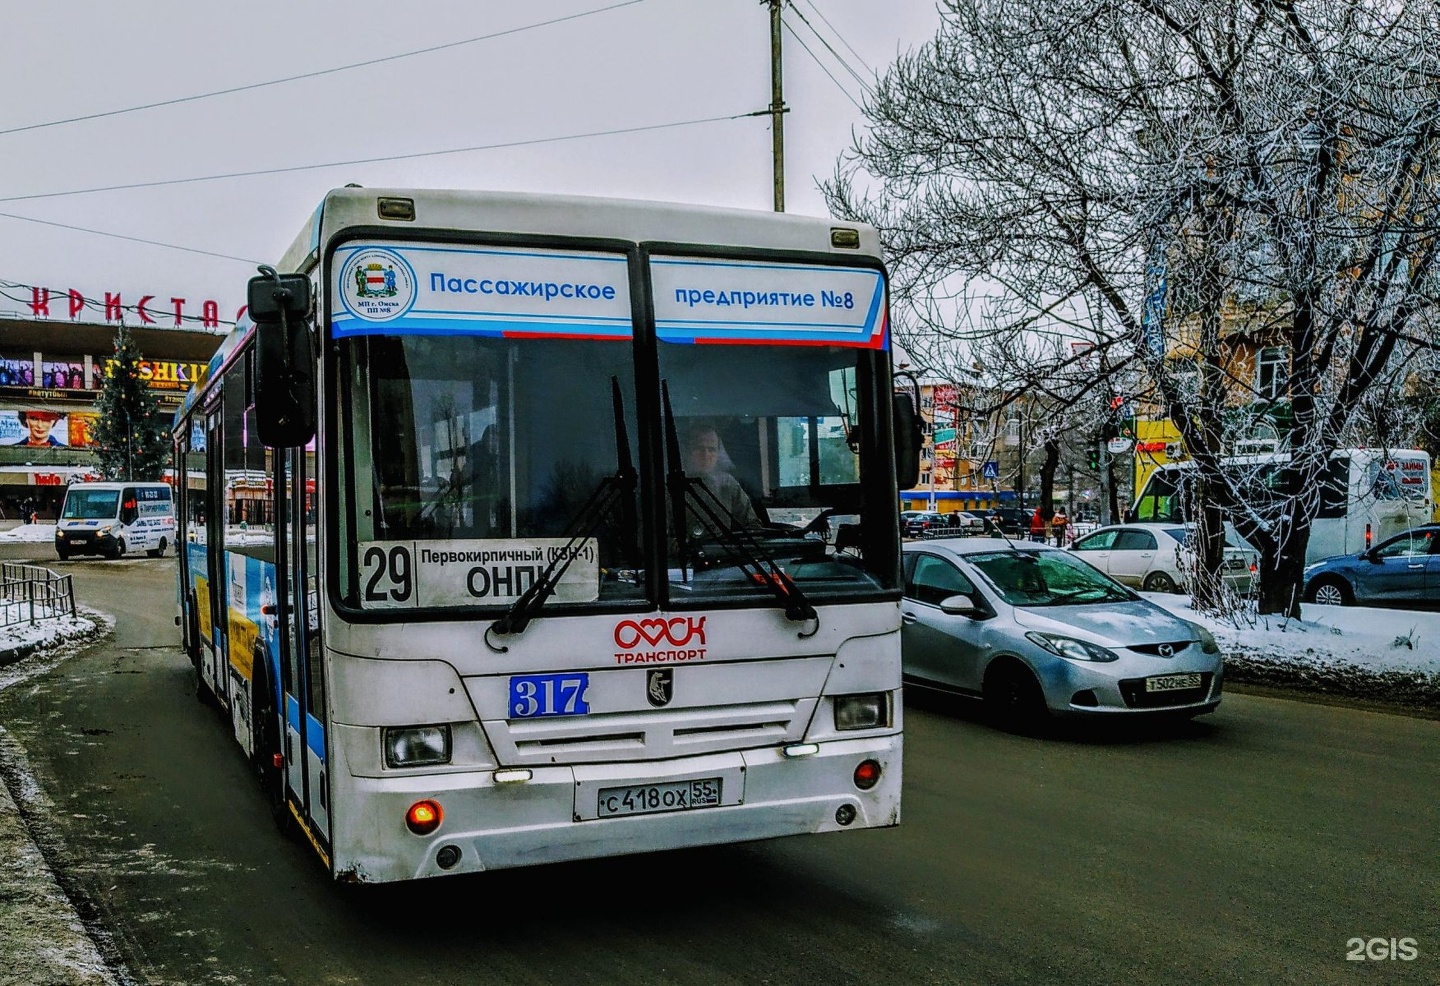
(305,767)
(216,576)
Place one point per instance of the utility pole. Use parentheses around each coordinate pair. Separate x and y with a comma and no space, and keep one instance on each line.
(777,105)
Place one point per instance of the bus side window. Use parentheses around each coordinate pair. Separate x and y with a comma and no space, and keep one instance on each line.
(128,510)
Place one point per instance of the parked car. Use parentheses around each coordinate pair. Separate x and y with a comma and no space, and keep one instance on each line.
(1014,522)
(1403,570)
(1157,557)
(925,524)
(1035,632)
(965,522)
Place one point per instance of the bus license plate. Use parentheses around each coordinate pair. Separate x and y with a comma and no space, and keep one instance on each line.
(642,799)
(1172,682)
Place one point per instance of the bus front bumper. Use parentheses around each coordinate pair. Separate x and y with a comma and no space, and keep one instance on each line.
(560,813)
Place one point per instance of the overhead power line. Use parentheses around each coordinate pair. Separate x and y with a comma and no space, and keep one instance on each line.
(122,236)
(817,61)
(379,160)
(319,72)
(821,14)
(864,85)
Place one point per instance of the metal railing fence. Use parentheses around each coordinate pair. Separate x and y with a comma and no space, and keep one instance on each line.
(29,593)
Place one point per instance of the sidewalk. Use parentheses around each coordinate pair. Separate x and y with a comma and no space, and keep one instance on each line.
(43,941)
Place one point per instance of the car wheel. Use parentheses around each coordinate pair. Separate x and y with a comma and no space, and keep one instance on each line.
(1013,699)
(1159,582)
(119,550)
(1330,592)
(158,551)
(64,555)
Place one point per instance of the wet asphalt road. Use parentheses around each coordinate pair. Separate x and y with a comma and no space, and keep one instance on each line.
(1248,847)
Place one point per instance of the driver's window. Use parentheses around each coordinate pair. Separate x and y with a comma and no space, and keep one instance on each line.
(934,580)
(1406,546)
(1099,541)
(129,509)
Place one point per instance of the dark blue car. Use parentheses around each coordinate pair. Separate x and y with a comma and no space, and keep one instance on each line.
(1401,571)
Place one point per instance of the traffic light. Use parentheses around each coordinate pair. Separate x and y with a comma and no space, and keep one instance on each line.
(1093,458)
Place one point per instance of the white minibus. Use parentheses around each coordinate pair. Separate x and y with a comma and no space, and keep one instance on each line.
(112,518)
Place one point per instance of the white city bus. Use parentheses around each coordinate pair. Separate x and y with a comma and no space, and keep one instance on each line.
(1367,495)
(447,574)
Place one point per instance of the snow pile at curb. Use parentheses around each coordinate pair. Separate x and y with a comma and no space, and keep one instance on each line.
(1382,655)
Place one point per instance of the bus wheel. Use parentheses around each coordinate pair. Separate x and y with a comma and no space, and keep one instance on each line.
(1330,592)
(1013,699)
(158,551)
(119,550)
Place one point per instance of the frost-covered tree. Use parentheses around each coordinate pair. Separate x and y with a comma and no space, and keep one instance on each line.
(1218,176)
(132,435)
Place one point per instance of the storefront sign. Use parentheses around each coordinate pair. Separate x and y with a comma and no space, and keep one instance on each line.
(143,309)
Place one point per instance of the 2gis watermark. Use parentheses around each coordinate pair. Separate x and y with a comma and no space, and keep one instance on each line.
(1381,949)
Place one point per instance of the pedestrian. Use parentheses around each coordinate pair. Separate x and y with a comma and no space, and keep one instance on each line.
(1058,523)
(994,525)
(1037,526)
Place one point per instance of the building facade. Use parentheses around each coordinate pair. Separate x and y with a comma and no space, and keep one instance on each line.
(51,374)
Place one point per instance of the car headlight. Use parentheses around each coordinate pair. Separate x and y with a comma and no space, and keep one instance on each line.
(1208,643)
(417,746)
(102,531)
(870,710)
(1070,648)
(60,535)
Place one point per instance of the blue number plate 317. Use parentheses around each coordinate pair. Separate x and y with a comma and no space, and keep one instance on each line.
(536,695)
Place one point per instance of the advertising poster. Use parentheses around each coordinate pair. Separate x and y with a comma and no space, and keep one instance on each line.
(17,372)
(34,428)
(63,375)
(82,429)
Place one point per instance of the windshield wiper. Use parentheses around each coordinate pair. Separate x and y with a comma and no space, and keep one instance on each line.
(687,489)
(612,489)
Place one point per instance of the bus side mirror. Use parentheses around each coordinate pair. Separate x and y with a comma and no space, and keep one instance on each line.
(907,442)
(280,304)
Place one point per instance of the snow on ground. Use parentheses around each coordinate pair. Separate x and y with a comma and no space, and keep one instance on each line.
(1390,655)
(29,534)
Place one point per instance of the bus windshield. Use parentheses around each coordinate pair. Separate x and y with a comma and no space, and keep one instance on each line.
(82,504)
(769,439)
(481,451)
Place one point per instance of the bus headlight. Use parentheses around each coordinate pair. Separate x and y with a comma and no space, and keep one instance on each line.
(417,746)
(870,710)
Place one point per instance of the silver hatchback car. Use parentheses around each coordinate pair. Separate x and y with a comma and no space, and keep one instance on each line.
(1035,632)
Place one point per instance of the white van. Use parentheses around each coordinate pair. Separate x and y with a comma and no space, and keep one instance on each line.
(112,518)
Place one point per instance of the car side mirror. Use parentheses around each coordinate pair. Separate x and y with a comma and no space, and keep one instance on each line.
(959,606)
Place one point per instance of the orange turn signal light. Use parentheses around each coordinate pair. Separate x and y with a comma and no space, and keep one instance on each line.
(424,817)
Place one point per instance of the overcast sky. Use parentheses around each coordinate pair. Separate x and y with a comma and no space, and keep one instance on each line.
(639,64)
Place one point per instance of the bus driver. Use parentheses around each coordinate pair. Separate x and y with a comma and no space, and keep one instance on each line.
(702,457)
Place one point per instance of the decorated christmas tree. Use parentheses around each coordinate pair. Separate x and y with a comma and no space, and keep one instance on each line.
(132,435)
